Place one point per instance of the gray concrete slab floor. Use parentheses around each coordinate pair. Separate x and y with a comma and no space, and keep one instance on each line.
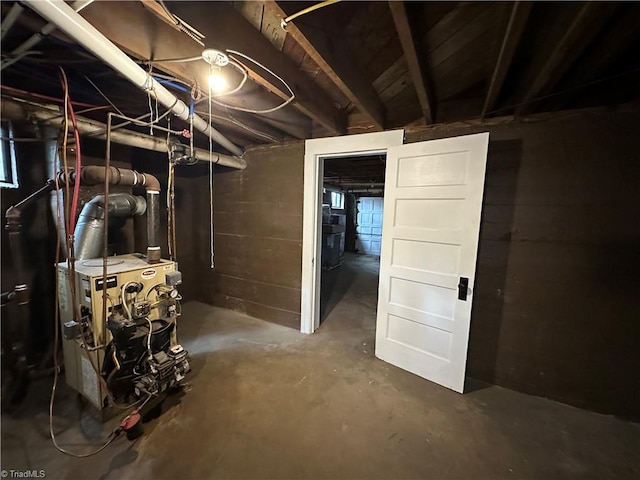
(265,401)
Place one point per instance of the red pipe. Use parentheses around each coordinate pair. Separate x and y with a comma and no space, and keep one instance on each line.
(46,97)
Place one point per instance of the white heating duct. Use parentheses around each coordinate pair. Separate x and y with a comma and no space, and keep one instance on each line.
(74,25)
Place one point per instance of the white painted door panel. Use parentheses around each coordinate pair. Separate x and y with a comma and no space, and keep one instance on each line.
(369,225)
(433,193)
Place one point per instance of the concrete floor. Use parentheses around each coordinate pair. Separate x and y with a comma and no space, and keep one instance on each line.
(265,401)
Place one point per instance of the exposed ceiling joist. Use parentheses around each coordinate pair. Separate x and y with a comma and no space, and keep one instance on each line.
(603,55)
(417,69)
(335,64)
(517,21)
(584,27)
(398,61)
(247,126)
(237,33)
(155,39)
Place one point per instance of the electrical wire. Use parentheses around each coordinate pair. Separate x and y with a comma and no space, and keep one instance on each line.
(168,12)
(171,213)
(306,10)
(105,229)
(168,199)
(103,95)
(76,134)
(237,122)
(181,25)
(136,121)
(79,112)
(194,91)
(56,372)
(245,76)
(45,97)
(67,187)
(113,305)
(249,110)
(124,299)
(171,60)
(71,279)
(158,75)
(211,232)
(566,90)
(149,338)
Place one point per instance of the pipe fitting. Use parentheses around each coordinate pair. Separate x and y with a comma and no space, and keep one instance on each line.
(96,175)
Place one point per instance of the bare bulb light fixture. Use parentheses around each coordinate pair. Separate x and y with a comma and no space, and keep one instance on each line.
(217,83)
(217,59)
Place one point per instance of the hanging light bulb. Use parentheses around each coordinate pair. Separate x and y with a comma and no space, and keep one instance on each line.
(217,83)
(216,59)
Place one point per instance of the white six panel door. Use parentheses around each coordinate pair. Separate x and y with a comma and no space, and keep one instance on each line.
(433,199)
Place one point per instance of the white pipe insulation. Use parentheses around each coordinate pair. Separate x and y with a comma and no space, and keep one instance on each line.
(50,115)
(74,25)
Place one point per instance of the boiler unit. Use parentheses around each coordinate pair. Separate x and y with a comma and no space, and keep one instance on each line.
(127,349)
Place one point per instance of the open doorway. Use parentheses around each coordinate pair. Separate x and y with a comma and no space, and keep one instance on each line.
(316,150)
(434,192)
(352,210)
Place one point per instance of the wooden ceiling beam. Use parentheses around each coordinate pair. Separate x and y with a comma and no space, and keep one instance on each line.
(336,65)
(517,21)
(619,39)
(233,32)
(417,69)
(577,36)
(155,39)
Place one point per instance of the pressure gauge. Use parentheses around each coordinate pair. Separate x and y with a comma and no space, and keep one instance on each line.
(173,293)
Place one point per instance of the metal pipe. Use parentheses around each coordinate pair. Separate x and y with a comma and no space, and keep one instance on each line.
(96,175)
(18,53)
(50,115)
(88,241)
(153,226)
(58,12)
(54,165)
(10,19)
(14,228)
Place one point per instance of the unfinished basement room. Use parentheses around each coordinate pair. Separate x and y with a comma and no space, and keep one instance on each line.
(320,240)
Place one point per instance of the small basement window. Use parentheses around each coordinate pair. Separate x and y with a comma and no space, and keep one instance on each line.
(337,200)
(8,170)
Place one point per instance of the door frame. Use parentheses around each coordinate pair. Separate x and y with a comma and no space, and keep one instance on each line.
(316,150)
